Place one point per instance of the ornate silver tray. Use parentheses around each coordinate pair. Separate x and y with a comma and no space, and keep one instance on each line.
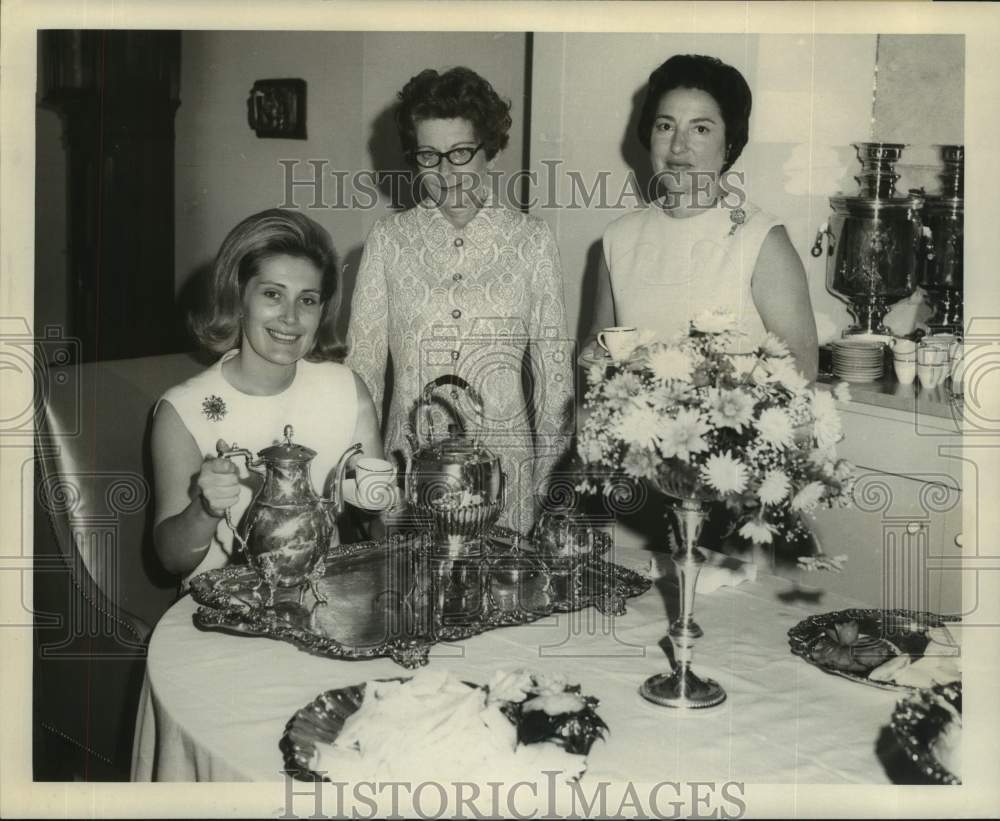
(897,631)
(395,598)
(920,719)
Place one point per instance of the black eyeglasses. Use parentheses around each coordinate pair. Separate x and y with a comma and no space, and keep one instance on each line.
(429,158)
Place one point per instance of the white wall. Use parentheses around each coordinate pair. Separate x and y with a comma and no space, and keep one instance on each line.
(813,97)
(224,172)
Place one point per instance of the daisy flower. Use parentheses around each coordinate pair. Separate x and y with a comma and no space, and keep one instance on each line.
(757,531)
(639,425)
(730,409)
(774,488)
(623,385)
(682,436)
(714,321)
(775,346)
(670,363)
(744,363)
(774,426)
(807,498)
(641,463)
(669,394)
(725,473)
(826,427)
(785,372)
(824,458)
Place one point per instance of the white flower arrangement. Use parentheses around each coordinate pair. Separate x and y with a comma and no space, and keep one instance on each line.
(742,428)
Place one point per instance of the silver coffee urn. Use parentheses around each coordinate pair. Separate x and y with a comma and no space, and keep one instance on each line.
(941,274)
(874,240)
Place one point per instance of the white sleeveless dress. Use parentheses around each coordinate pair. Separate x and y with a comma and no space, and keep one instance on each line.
(665,271)
(321,405)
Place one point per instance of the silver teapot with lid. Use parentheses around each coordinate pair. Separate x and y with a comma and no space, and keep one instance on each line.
(287,527)
(455,481)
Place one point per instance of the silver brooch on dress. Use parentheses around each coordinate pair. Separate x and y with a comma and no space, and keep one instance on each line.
(214,408)
(737,216)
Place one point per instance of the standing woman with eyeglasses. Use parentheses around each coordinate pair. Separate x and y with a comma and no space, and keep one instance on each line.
(462,286)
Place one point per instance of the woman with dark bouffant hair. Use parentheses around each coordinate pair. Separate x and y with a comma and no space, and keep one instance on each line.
(269,309)
(462,286)
(700,244)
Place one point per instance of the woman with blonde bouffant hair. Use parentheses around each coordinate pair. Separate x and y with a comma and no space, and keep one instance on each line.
(269,310)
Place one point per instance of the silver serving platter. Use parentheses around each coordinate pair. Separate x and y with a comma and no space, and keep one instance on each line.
(919,720)
(395,598)
(901,631)
(319,721)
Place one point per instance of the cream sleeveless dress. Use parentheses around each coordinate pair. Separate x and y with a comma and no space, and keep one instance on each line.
(321,405)
(665,270)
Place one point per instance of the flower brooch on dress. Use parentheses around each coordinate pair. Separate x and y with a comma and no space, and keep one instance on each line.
(737,216)
(214,408)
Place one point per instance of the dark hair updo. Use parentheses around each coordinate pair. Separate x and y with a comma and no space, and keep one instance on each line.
(709,74)
(458,93)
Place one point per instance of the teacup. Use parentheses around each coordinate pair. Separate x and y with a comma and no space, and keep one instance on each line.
(376,483)
(904,347)
(940,340)
(905,368)
(932,365)
(931,354)
(619,341)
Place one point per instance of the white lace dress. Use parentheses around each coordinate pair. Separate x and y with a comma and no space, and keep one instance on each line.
(484,303)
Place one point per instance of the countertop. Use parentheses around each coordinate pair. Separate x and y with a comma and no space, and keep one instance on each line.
(914,398)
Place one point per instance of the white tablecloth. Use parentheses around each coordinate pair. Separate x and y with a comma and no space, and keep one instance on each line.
(215,705)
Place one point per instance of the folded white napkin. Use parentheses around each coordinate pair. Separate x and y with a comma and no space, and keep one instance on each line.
(939,664)
(436,728)
(719,570)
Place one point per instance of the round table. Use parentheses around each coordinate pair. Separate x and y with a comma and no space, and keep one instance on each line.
(215,705)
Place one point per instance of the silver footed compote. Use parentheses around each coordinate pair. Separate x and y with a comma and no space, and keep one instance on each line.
(681,687)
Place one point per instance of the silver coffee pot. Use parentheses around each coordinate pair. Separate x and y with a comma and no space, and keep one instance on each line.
(287,528)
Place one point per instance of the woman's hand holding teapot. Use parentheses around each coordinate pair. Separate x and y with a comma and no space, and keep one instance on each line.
(219,485)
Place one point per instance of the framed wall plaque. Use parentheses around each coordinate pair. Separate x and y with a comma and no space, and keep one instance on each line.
(277,108)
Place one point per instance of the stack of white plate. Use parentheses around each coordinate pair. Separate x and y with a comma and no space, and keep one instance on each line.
(858,360)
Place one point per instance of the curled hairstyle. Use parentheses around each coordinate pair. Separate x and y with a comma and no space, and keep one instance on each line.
(709,74)
(216,323)
(457,93)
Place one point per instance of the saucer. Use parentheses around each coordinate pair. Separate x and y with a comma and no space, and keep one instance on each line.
(882,339)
